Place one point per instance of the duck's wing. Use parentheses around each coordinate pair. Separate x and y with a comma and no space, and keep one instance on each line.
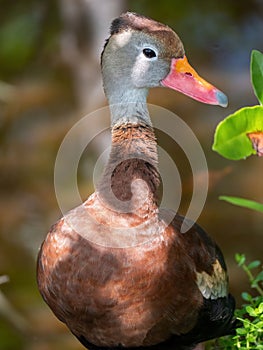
(216,312)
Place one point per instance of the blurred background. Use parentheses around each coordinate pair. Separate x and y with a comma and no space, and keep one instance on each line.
(50,78)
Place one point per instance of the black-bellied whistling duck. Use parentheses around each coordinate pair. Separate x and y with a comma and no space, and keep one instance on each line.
(117,270)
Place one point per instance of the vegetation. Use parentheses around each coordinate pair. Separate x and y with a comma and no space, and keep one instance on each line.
(233,140)
(249,334)
(241,134)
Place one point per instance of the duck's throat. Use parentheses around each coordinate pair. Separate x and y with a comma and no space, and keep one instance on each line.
(131,178)
(128,106)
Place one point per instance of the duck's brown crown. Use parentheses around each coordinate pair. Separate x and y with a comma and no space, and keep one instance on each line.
(136,22)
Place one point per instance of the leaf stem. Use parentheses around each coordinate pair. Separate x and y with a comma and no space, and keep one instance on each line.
(252,279)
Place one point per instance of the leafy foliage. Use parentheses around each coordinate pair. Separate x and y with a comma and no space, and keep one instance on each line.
(231,137)
(241,133)
(249,334)
(236,137)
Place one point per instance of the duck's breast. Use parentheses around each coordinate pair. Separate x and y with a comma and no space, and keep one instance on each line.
(138,294)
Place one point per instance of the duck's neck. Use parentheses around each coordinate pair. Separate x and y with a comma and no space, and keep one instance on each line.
(131,178)
(129,106)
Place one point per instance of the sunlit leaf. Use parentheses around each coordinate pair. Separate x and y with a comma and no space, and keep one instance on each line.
(241,331)
(251,311)
(242,202)
(256,68)
(260,308)
(231,140)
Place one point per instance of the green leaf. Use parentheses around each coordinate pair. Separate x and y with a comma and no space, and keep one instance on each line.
(252,312)
(246,296)
(240,258)
(254,264)
(260,307)
(241,331)
(260,326)
(231,140)
(259,277)
(256,72)
(242,202)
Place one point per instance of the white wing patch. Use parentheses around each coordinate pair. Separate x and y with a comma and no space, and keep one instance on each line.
(213,286)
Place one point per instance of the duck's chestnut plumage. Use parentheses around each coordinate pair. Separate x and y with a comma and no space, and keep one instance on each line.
(118,270)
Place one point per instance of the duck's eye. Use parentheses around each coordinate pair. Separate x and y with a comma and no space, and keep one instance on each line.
(149,53)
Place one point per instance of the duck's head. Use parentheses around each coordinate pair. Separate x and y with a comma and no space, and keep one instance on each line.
(142,53)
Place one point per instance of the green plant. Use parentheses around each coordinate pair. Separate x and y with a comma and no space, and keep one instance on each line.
(249,334)
(236,137)
(241,133)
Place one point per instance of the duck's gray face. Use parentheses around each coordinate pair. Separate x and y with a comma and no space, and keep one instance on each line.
(135,60)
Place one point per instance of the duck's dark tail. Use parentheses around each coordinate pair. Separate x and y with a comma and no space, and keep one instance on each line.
(216,319)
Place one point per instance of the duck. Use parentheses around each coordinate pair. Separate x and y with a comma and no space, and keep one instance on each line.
(118,270)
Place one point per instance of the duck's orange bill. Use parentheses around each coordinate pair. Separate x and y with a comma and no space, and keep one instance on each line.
(182,77)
